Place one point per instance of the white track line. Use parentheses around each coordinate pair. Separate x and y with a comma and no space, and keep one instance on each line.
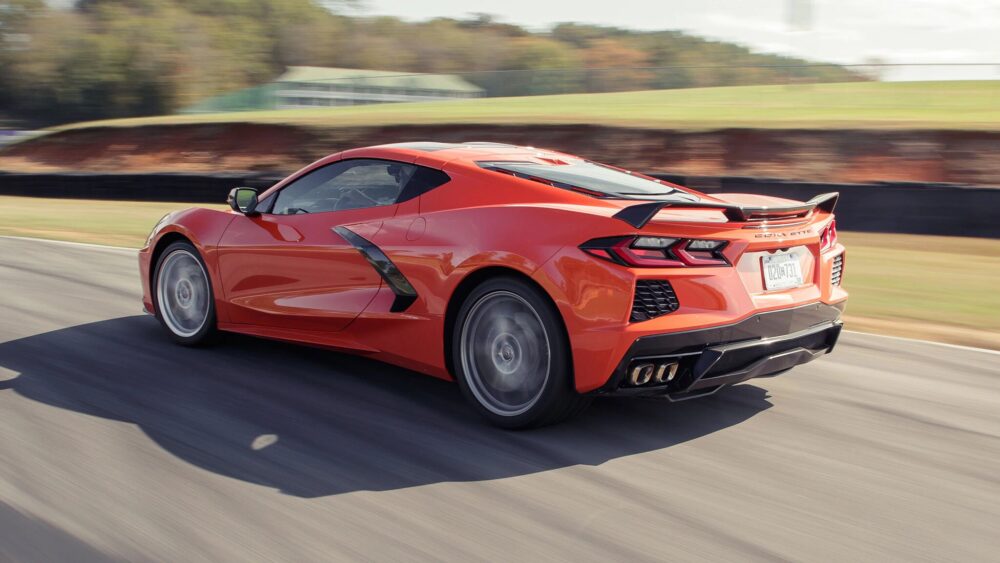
(921,341)
(917,340)
(81,244)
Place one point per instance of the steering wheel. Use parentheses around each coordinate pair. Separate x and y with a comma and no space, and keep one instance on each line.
(354,193)
(364,195)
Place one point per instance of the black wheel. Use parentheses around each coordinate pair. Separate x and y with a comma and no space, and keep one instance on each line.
(182,295)
(511,356)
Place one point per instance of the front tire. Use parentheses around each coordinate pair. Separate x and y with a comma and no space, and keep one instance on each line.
(511,356)
(183,298)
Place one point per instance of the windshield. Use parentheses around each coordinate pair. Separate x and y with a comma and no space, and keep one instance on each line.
(593,177)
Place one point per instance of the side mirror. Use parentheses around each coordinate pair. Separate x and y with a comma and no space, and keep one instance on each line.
(243,200)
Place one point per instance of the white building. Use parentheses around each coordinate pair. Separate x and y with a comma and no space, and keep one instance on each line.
(311,86)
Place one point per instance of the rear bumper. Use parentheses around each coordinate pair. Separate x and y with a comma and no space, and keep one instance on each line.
(708,359)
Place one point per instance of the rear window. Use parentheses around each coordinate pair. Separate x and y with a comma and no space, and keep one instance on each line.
(593,177)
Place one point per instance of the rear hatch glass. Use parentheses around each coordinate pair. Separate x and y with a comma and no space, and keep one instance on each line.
(586,176)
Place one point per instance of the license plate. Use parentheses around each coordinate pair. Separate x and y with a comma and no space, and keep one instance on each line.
(781,271)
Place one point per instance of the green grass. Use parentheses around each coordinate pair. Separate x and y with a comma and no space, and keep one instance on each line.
(908,280)
(115,223)
(939,105)
(948,281)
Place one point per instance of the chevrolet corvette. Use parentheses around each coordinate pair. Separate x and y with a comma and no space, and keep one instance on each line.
(535,279)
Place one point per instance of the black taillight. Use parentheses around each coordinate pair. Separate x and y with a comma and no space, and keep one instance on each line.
(657,252)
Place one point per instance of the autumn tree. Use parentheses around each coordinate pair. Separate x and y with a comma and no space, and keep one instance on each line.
(614,66)
(117,58)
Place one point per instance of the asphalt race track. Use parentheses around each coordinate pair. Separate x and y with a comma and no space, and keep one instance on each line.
(117,445)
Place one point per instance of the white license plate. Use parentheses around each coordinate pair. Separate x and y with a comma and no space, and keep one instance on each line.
(781,271)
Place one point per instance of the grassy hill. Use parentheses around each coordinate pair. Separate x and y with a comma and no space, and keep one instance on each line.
(970,105)
(846,132)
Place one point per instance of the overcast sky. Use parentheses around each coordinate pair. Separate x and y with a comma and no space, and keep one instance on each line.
(843,31)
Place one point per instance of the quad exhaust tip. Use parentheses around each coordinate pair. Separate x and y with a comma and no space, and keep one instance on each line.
(642,374)
(666,373)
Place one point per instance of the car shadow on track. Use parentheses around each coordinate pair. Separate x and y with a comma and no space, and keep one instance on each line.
(313,423)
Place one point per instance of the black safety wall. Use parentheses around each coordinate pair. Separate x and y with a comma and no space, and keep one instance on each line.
(941,209)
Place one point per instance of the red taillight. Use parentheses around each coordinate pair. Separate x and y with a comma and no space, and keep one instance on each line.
(657,252)
(828,239)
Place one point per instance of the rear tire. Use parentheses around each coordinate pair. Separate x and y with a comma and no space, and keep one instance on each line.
(511,356)
(183,297)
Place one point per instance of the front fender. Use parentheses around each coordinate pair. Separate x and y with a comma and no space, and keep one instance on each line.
(204,229)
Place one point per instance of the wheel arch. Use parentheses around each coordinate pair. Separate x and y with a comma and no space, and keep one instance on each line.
(468,284)
(162,243)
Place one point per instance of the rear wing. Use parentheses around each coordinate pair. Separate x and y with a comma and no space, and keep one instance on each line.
(639,215)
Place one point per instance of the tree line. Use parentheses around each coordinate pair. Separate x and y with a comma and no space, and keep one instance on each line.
(119,58)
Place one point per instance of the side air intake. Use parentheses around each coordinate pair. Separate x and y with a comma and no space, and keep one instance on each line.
(837,271)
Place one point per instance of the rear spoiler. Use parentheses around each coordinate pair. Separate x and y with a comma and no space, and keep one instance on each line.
(639,215)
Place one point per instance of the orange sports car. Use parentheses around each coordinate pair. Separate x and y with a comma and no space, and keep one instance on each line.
(535,279)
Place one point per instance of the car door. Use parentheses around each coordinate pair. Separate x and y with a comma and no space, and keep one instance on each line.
(287,267)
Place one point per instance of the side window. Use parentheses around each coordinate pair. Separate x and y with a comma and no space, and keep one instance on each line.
(422,181)
(348,184)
